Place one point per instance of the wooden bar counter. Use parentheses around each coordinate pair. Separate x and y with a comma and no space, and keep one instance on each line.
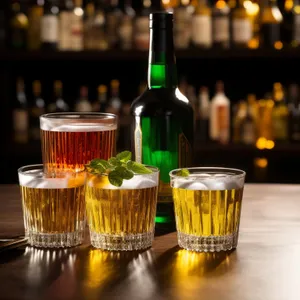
(265,266)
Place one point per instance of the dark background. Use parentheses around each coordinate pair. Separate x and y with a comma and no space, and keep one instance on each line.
(243,72)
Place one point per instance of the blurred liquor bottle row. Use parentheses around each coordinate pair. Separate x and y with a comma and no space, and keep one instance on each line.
(108,24)
(29,106)
(251,121)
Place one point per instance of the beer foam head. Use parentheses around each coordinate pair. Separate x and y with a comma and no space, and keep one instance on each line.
(137,182)
(78,127)
(213,182)
(76,122)
(35,179)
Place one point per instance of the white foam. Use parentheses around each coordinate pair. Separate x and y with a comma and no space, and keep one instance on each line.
(137,182)
(203,182)
(79,127)
(43,183)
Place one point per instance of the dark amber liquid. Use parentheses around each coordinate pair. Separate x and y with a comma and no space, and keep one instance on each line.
(72,150)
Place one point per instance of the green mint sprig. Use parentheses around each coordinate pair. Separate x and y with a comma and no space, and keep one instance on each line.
(183,173)
(117,168)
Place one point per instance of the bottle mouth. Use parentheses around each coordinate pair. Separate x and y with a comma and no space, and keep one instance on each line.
(161,20)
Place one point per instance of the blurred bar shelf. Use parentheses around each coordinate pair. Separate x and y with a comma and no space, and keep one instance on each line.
(136,55)
(34,149)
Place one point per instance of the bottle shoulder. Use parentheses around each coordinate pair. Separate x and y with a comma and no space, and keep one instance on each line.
(219,99)
(161,101)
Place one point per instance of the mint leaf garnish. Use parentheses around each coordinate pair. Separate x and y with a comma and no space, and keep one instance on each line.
(183,173)
(114,162)
(124,156)
(99,164)
(124,173)
(138,168)
(115,179)
(117,168)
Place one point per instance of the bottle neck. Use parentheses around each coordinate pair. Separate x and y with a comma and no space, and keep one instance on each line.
(162,71)
(271,3)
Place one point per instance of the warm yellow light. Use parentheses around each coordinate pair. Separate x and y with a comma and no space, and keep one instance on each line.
(251,8)
(220,4)
(278,45)
(270,144)
(253,43)
(261,143)
(261,162)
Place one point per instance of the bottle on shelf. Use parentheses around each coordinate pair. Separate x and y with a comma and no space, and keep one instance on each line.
(76,37)
(290,26)
(271,19)
(89,15)
(126,26)
(20,114)
(95,36)
(18,26)
(265,107)
(36,110)
(239,114)
(141,28)
(220,116)
(58,104)
(203,108)
(241,25)
(65,21)
(248,128)
(162,116)
(101,103)
(201,29)
(49,25)
(115,103)
(35,13)
(182,25)
(253,12)
(294,113)
(221,24)
(113,17)
(83,104)
(279,114)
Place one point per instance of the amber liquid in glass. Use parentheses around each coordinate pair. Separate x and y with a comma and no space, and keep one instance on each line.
(71,150)
(121,211)
(208,212)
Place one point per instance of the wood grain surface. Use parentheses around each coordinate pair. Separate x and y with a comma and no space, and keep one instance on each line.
(265,266)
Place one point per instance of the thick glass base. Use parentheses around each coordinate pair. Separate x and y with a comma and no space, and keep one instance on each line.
(55,240)
(128,242)
(207,243)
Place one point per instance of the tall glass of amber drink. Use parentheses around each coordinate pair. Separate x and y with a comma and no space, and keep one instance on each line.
(207,203)
(53,208)
(71,140)
(122,218)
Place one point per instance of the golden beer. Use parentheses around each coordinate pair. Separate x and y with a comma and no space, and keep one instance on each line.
(208,208)
(121,218)
(71,140)
(53,208)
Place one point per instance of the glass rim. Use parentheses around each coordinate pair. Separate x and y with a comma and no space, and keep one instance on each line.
(155,170)
(80,115)
(238,173)
(40,167)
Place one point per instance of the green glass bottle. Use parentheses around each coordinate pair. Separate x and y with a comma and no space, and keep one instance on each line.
(162,116)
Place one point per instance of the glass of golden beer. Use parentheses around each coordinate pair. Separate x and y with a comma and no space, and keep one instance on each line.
(207,203)
(53,208)
(122,218)
(71,140)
